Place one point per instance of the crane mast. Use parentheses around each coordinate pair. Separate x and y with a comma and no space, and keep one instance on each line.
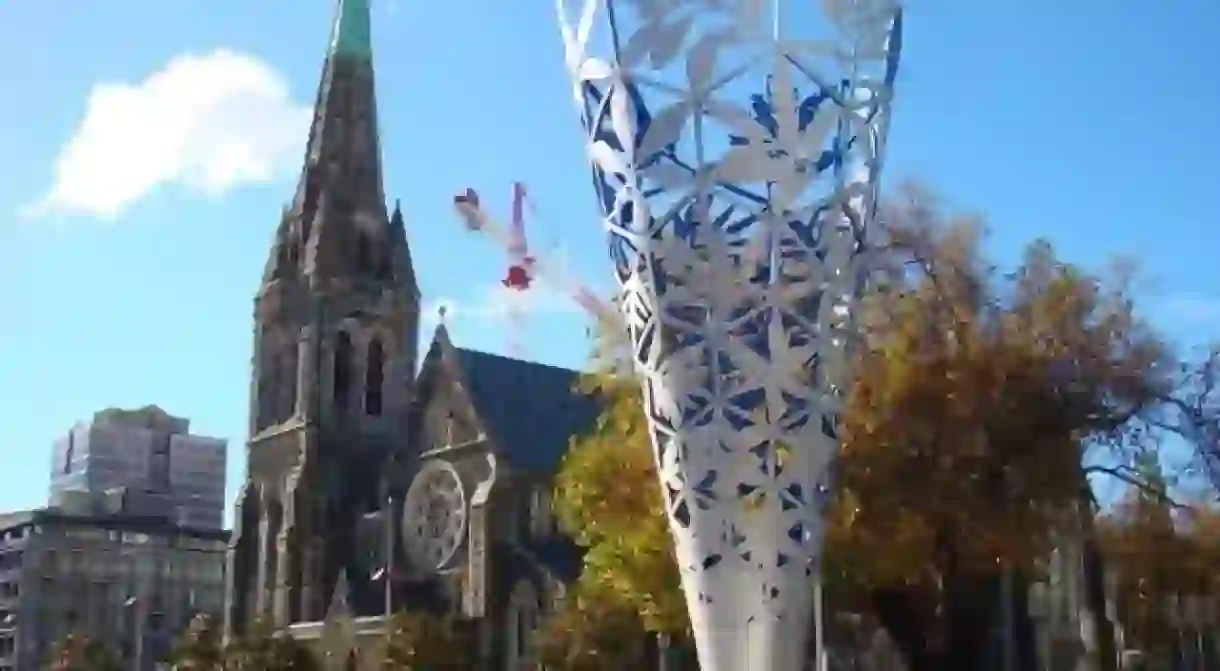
(524,267)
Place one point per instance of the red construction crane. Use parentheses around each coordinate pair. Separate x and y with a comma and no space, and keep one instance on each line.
(520,263)
(524,267)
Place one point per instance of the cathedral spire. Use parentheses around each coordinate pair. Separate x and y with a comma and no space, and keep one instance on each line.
(352,34)
(338,216)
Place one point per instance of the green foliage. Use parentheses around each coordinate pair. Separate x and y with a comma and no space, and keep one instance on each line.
(591,632)
(200,648)
(77,652)
(1157,553)
(608,498)
(263,648)
(977,400)
(421,642)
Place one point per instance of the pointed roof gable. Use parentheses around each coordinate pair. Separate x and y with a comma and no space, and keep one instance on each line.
(530,410)
(340,604)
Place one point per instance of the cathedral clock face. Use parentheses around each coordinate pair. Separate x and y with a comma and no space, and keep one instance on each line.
(434,516)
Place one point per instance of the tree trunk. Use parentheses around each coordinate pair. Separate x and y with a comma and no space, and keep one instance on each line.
(899,616)
(972,605)
(1095,589)
(1025,630)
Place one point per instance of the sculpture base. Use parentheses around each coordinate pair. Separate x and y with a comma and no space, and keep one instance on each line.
(736,629)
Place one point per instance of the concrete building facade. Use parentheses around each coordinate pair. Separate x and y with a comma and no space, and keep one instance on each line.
(147,451)
(133,582)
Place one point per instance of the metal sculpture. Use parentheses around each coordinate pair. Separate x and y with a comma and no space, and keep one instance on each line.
(738,229)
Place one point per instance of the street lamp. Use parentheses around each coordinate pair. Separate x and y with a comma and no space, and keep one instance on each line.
(1039,609)
(386,573)
(136,605)
(1196,617)
(739,232)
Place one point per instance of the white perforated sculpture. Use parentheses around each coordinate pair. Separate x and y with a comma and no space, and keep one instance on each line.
(737,164)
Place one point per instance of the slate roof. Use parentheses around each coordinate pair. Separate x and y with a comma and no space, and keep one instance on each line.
(530,409)
(561,561)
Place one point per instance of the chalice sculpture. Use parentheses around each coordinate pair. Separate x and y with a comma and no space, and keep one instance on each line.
(736,163)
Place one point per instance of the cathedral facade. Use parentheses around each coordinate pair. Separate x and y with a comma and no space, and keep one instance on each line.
(377,482)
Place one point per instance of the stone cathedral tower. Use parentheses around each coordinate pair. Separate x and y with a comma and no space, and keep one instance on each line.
(335,329)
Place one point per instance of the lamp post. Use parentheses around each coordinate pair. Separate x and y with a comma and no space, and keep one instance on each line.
(136,605)
(1194,619)
(739,232)
(146,566)
(1039,609)
(1174,615)
(386,573)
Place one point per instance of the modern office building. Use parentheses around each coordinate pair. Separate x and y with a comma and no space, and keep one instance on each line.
(147,451)
(131,581)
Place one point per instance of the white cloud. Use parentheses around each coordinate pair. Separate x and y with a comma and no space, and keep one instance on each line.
(208,123)
(497,304)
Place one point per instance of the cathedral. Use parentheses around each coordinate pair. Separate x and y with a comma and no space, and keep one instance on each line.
(376,482)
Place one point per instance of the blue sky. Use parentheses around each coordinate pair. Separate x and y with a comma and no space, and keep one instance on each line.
(1085,121)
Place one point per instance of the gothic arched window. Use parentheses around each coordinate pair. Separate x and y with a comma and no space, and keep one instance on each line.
(364,252)
(343,369)
(288,384)
(523,613)
(374,378)
(385,267)
(265,381)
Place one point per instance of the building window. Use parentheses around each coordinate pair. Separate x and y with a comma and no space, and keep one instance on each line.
(343,369)
(288,384)
(385,269)
(374,379)
(364,252)
(524,610)
(540,522)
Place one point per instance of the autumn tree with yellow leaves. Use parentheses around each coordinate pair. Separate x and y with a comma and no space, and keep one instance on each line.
(980,405)
(78,652)
(423,642)
(608,499)
(1159,551)
(590,631)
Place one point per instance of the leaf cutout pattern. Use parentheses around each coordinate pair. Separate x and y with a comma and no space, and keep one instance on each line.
(738,222)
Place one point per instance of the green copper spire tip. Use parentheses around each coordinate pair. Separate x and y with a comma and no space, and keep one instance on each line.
(353,33)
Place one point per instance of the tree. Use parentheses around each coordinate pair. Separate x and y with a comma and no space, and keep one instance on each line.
(419,642)
(200,648)
(262,648)
(981,403)
(608,498)
(1159,551)
(77,652)
(591,631)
